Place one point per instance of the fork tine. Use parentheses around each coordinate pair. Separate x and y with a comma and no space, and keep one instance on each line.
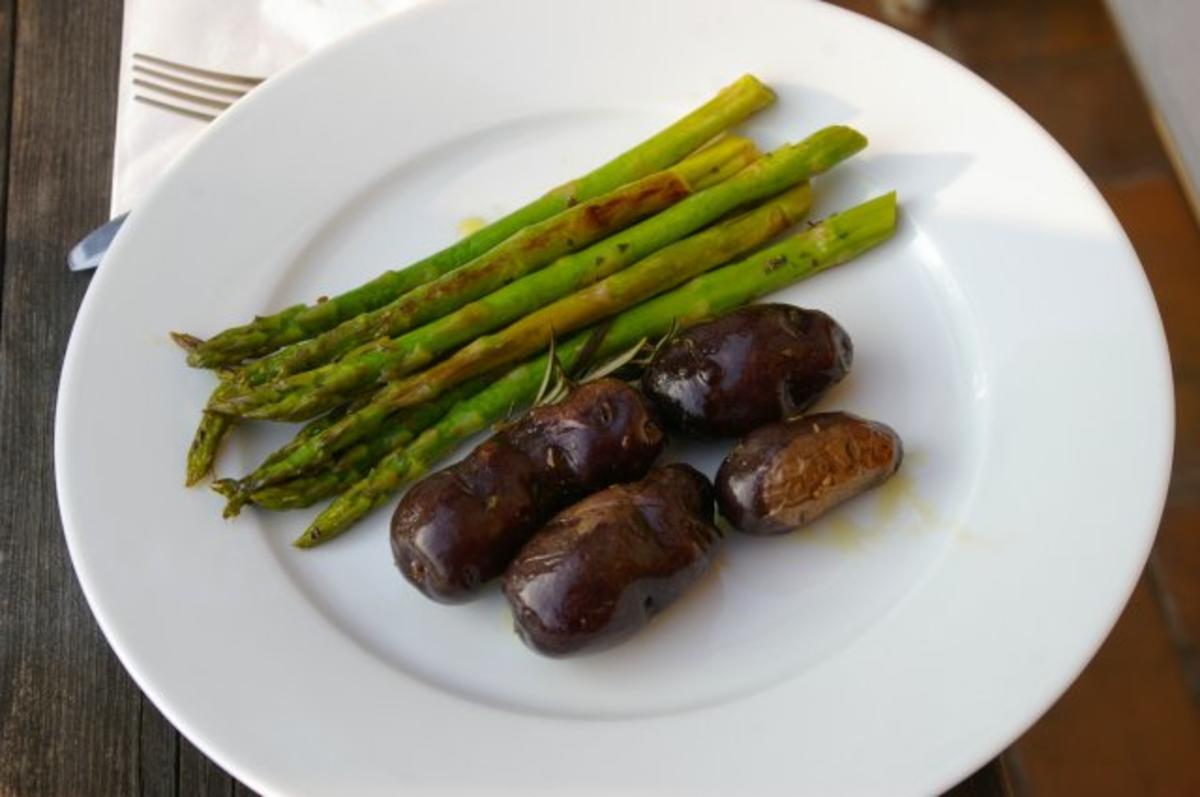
(197,99)
(182,82)
(227,77)
(179,109)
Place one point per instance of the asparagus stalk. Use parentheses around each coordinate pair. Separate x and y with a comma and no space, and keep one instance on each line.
(661,271)
(230,487)
(399,427)
(871,217)
(829,243)
(318,425)
(202,453)
(352,465)
(524,252)
(268,333)
(214,427)
(304,395)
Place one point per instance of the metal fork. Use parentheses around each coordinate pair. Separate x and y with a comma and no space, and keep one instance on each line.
(183,89)
(187,90)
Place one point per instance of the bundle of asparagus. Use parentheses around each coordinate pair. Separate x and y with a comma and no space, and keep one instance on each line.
(395,374)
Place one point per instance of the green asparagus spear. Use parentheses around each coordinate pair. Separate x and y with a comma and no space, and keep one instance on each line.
(356,462)
(268,333)
(659,272)
(318,425)
(794,259)
(214,427)
(829,243)
(526,251)
(230,487)
(304,491)
(304,395)
(205,444)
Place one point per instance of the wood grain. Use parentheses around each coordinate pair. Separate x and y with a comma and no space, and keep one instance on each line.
(1161,39)
(199,777)
(8,32)
(68,711)
(158,752)
(992,780)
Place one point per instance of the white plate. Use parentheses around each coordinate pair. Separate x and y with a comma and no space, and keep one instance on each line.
(1007,332)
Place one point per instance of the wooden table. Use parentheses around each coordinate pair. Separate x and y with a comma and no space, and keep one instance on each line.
(1160,36)
(71,720)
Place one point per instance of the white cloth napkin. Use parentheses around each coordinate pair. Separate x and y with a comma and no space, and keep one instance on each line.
(249,37)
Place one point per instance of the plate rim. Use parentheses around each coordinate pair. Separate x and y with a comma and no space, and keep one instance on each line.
(434,6)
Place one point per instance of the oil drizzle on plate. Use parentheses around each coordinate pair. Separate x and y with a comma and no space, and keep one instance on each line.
(845,534)
(897,504)
(471,225)
(899,492)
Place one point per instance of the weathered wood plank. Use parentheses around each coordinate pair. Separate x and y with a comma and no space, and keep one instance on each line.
(990,781)
(242,790)
(200,777)
(1161,40)
(158,753)
(68,712)
(8,28)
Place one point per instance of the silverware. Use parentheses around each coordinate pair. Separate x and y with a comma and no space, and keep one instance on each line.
(201,94)
(187,90)
(88,253)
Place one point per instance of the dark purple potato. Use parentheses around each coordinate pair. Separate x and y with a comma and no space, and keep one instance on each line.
(786,475)
(751,367)
(602,568)
(604,432)
(460,527)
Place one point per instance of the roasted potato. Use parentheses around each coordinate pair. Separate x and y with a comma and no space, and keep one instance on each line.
(786,475)
(602,568)
(751,367)
(459,528)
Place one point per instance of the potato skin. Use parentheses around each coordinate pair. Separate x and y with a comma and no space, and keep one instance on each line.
(458,528)
(783,476)
(603,432)
(751,367)
(602,568)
